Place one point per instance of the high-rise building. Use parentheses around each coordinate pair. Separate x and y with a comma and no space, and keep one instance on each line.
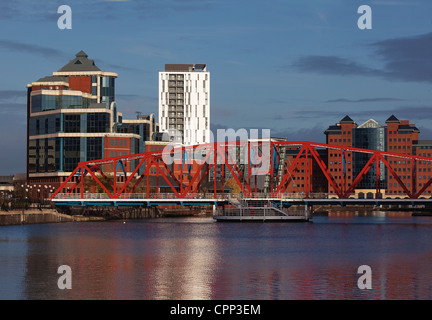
(184,103)
(72,117)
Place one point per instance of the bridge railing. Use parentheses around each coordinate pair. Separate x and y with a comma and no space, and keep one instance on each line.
(223,196)
(257,211)
(297,195)
(101,196)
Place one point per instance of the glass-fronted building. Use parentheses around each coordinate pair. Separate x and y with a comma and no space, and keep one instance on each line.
(370,135)
(73,117)
(396,137)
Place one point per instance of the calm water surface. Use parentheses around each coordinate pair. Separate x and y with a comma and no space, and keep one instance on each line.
(197,258)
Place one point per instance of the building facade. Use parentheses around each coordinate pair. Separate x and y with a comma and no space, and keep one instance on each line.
(72,117)
(423,168)
(184,103)
(397,136)
(369,135)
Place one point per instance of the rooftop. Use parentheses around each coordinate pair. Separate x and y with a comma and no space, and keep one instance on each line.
(371,123)
(80,63)
(53,79)
(347,119)
(392,119)
(185,67)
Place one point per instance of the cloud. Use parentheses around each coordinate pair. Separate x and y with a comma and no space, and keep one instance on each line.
(425,133)
(51,53)
(6,95)
(405,59)
(12,109)
(395,3)
(13,144)
(364,100)
(32,49)
(333,65)
(314,134)
(401,112)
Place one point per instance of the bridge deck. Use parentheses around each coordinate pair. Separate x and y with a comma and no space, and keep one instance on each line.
(220,201)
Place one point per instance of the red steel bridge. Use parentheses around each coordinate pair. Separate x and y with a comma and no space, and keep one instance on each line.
(186,171)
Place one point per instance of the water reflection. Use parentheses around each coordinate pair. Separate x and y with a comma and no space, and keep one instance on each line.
(196,258)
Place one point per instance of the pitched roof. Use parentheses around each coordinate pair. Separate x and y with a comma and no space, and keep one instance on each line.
(347,119)
(371,123)
(392,119)
(406,127)
(333,129)
(80,63)
(53,79)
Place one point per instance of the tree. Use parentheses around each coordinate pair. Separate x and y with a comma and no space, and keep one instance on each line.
(232,184)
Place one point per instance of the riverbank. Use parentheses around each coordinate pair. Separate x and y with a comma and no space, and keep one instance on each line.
(80,214)
(35,216)
(371,208)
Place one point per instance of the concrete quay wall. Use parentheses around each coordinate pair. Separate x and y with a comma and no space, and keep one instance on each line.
(32,216)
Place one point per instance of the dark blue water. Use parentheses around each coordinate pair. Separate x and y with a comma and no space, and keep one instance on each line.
(197,258)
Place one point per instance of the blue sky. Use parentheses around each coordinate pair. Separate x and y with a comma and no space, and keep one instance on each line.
(292,66)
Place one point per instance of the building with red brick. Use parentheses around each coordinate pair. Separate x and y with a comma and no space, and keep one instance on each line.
(397,136)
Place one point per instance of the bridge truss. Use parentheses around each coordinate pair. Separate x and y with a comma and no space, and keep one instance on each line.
(186,170)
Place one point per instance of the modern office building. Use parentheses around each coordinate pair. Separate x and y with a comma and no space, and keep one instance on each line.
(73,117)
(398,136)
(184,103)
(369,135)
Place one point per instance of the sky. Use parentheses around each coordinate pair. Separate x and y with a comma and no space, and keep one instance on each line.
(292,66)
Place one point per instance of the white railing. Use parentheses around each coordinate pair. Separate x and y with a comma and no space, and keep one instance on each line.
(258,211)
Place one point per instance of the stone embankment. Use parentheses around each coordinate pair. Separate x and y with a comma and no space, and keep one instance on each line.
(33,216)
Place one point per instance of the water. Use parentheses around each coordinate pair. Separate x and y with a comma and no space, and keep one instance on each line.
(197,258)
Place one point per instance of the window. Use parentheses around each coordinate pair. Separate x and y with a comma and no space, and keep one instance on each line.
(97,122)
(72,123)
(94,148)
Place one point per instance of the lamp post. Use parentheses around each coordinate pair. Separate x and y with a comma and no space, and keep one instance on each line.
(39,198)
